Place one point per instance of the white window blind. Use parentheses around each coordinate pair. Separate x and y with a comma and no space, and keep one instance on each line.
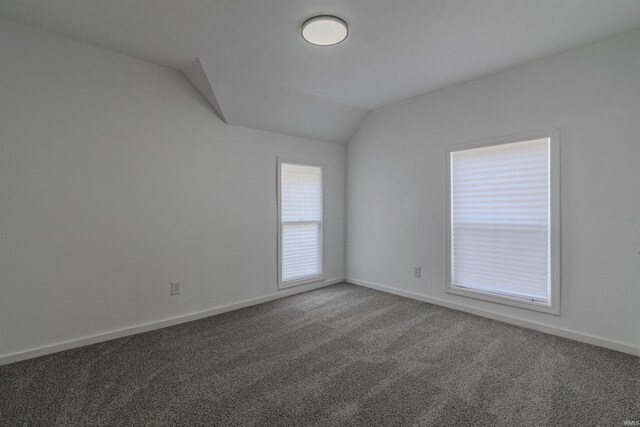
(501,220)
(300,222)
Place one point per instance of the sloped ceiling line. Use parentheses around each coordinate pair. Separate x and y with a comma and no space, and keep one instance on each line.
(244,100)
(196,74)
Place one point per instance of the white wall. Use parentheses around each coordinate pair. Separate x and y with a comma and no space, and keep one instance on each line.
(396,184)
(116,178)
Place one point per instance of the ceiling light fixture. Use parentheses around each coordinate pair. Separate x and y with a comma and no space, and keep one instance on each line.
(324,30)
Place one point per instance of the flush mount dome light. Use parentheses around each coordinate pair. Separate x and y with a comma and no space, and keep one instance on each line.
(324,30)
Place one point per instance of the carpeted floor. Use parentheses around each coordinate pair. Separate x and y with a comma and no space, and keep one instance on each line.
(341,355)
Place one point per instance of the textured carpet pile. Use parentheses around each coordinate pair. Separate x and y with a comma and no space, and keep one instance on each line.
(341,355)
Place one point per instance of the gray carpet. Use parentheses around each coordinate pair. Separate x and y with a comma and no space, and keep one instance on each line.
(342,355)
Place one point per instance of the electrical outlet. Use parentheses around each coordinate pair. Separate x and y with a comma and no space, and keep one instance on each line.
(175,288)
(417,271)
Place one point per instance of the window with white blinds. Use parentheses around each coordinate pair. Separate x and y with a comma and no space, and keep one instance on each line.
(300,190)
(500,233)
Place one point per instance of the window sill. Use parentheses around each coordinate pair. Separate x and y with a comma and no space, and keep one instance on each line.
(505,300)
(300,282)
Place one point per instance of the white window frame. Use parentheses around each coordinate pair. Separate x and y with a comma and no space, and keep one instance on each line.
(553,307)
(306,280)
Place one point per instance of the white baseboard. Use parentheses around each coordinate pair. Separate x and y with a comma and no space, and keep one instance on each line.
(145,327)
(565,333)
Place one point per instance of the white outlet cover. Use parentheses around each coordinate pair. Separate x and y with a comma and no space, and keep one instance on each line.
(175,288)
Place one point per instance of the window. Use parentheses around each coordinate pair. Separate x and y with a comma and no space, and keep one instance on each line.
(503,222)
(300,223)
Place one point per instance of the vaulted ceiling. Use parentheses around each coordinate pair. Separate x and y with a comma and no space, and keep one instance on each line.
(248,60)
